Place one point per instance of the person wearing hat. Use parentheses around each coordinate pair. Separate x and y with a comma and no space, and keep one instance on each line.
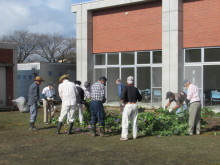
(48,95)
(68,93)
(178,98)
(87,90)
(96,105)
(33,98)
(79,100)
(130,95)
(194,107)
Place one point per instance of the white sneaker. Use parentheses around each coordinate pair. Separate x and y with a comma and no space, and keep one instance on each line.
(123,139)
(197,132)
(190,133)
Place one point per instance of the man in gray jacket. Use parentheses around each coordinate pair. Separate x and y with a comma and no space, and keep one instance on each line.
(33,98)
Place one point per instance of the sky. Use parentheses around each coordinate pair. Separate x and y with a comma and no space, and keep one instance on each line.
(38,16)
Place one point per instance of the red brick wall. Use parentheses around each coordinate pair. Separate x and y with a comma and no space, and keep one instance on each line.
(6,56)
(201,23)
(140,29)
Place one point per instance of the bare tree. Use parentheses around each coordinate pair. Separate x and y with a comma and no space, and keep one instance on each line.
(33,47)
(26,43)
(48,46)
(67,50)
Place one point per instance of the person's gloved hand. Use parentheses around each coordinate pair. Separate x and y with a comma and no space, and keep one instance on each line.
(38,104)
(170,109)
(104,100)
(48,98)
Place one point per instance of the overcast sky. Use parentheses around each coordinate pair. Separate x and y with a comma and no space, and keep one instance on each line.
(41,16)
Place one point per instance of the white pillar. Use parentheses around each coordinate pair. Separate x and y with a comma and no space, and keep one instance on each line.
(172,46)
(84,57)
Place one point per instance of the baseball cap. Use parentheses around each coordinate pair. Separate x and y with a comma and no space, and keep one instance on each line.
(103,78)
(185,81)
(130,79)
(169,94)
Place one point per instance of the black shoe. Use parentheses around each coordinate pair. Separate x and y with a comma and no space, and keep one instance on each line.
(94,131)
(59,125)
(102,132)
(32,127)
(70,128)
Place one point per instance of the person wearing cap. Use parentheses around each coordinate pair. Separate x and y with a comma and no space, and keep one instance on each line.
(48,95)
(194,107)
(178,98)
(33,98)
(130,95)
(68,93)
(87,90)
(79,100)
(96,105)
(120,87)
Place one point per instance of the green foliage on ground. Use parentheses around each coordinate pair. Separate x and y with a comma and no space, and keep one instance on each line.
(160,122)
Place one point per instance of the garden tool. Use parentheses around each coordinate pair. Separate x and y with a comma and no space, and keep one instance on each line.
(59,125)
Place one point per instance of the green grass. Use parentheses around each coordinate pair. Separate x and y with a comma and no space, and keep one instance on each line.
(44,147)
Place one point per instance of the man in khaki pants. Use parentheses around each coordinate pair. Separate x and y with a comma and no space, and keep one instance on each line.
(130,95)
(194,108)
(48,95)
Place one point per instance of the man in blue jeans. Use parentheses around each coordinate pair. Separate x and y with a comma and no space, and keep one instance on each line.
(96,105)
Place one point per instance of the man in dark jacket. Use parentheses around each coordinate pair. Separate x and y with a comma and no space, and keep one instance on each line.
(130,95)
(79,100)
(33,98)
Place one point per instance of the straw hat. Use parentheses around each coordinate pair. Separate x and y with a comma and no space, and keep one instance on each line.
(38,78)
(63,77)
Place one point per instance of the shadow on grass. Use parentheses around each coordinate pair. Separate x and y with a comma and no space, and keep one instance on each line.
(49,127)
(215,128)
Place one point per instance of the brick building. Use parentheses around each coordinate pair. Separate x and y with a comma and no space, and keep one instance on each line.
(7,72)
(160,42)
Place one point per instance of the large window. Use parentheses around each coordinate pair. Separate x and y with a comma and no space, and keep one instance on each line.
(201,68)
(145,66)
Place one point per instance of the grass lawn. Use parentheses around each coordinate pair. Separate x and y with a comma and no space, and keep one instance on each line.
(44,147)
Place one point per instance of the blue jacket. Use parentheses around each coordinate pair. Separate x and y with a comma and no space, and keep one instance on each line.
(33,94)
(120,87)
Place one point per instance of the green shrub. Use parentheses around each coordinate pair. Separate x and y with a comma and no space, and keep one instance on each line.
(161,122)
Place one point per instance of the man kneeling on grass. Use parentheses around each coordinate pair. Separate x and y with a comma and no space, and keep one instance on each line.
(130,95)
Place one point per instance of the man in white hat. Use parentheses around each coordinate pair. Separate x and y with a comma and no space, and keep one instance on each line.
(130,95)
(194,107)
(33,98)
(68,93)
